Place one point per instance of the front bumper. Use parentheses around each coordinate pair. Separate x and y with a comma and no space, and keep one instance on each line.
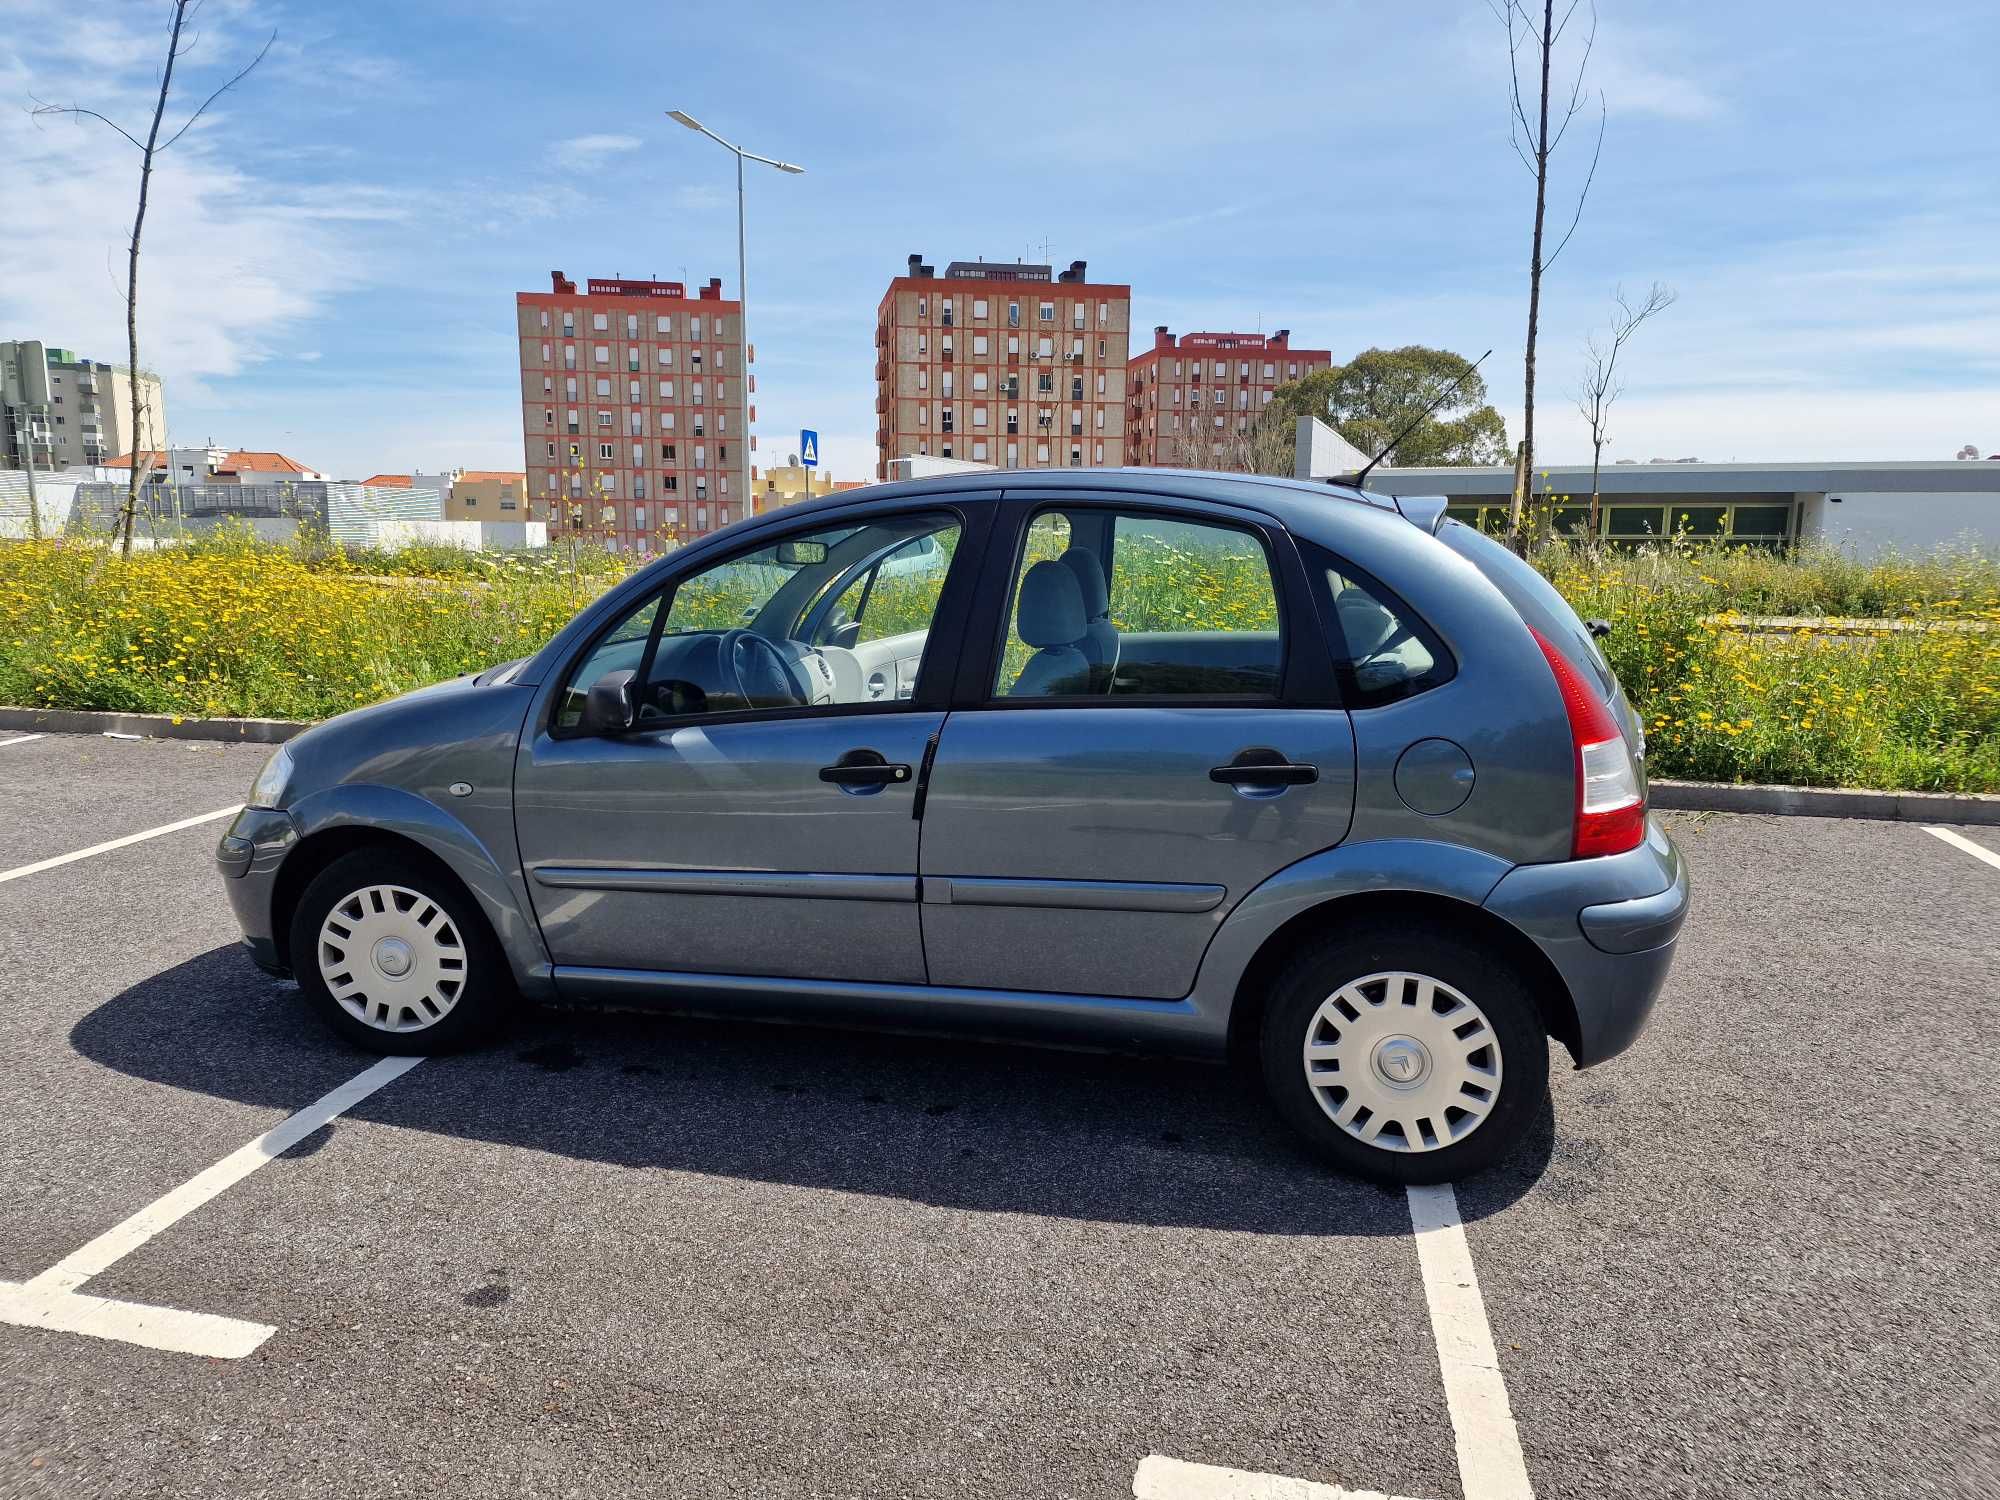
(249,856)
(1609,926)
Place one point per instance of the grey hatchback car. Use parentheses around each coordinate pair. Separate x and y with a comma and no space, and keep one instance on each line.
(1134,759)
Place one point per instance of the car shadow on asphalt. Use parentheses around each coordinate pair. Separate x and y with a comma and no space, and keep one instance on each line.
(956,1124)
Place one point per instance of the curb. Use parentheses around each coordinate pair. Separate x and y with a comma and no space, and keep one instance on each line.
(149,726)
(1827,802)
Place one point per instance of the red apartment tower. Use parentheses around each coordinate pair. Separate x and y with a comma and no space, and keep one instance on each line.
(632,410)
(1001,363)
(1191,397)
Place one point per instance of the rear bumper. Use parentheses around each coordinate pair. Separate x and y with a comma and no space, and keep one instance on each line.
(1609,927)
(248,857)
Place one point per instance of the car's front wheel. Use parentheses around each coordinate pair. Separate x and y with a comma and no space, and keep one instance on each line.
(395,956)
(1412,1055)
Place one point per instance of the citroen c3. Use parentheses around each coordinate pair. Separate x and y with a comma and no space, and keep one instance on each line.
(1140,760)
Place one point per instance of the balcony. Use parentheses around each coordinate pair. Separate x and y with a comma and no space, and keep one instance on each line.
(881,370)
(881,437)
(881,335)
(882,402)
(1076,359)
(944,355)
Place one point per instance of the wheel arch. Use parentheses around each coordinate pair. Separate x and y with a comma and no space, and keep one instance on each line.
(351,818)
(1253,987)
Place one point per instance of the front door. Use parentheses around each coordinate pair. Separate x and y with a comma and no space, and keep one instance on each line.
(1157,737)
(758,817)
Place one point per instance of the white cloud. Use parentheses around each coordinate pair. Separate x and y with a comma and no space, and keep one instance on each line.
(586,152)
(230,260)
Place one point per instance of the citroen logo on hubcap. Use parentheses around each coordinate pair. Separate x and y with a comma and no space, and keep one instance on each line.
(1401,1061)
(393,957)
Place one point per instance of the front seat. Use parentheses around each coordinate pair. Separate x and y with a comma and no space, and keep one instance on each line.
(1050,618)
(1100,641)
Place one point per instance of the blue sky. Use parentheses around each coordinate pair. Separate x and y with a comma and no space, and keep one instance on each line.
(331,256)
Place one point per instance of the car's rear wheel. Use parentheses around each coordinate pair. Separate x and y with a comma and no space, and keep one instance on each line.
(395,957)
(1411,1055)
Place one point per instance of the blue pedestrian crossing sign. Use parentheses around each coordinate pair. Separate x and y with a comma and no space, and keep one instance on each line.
(808,448)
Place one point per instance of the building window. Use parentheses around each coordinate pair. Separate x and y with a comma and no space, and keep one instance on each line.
(666,390)
(979,380)
(552,449)
(632,358)
(663,325)
(1100,419)
(1076,388)
(569,325)
(944,385)
(978,416)
(1013,314)
(604,419)
(944,419)
(548,416)
(1076,316)
(1045,348)
(1076,455)
(979,308)
(604,387)
(1099,459)
(1293,368)
(664,357)
(1013,421)
(923,380)
(601,353)
(1100,382)
(545,320)
(1041,453)
(666,453)
(923,416)
(979,452)
(1048,312)
(945,308)
(666,421)
(599,322)
(979,343)
(923,344)
(604,452)
(694,328)
(569,356)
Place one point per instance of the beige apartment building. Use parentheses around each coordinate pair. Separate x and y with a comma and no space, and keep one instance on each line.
(1196,399)
(89,415)
(632,410)
(786,484)
(1002,363)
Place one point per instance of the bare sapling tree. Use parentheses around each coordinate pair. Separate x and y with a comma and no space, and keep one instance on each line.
(180,41)
(1534,142)
(1601,386)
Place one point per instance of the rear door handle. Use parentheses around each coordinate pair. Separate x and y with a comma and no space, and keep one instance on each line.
(1261,767)
(864,768)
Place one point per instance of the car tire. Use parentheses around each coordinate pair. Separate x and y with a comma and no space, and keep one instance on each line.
(1442,1033)
(374,912)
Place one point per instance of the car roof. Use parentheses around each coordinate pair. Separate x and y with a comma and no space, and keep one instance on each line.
(1294,502)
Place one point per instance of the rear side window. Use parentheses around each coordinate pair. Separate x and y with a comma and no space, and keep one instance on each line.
(1111,605)
(1532,596)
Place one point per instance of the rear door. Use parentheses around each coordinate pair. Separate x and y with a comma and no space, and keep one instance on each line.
(1085,832)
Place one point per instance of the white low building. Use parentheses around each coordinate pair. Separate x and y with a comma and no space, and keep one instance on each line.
(1865,509)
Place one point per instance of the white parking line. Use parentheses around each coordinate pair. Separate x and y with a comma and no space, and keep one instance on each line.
(51,1300)
(106,847)
(1490,1465)
(1170,1479)
(19,739)
(1960,841)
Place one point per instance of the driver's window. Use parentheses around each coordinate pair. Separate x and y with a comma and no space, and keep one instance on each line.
(894,597)
(834,616)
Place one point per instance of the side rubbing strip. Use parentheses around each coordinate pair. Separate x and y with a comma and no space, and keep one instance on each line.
(811,886)
(1082,895)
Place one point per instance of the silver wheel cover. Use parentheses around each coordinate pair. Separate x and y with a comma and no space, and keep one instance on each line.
(1403,1062)
(392,958)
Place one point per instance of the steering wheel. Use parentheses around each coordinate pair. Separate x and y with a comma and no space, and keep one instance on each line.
(758,671)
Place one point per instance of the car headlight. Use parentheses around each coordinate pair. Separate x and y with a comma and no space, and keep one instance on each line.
(272,780)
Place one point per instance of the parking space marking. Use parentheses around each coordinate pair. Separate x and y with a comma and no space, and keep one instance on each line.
(108,845)
(1960,841)
(1490,1464)
(51,1300)
(19,739)
(1170,1479)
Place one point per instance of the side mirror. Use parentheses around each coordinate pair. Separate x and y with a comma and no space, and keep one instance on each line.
(801,554)
(611,707)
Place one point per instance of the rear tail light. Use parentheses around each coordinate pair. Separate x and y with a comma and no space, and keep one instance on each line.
(1610,808)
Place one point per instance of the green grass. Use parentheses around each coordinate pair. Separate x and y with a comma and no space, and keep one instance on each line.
(235,627)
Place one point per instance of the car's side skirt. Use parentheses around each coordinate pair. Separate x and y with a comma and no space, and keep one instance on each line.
(1101,1021)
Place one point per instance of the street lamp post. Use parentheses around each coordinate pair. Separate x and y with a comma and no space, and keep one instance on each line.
(742,290)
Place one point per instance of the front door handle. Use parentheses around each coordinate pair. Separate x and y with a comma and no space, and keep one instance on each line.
(1262,767)
(864,768)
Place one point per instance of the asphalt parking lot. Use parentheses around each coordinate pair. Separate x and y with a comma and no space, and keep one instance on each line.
(619,1255)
